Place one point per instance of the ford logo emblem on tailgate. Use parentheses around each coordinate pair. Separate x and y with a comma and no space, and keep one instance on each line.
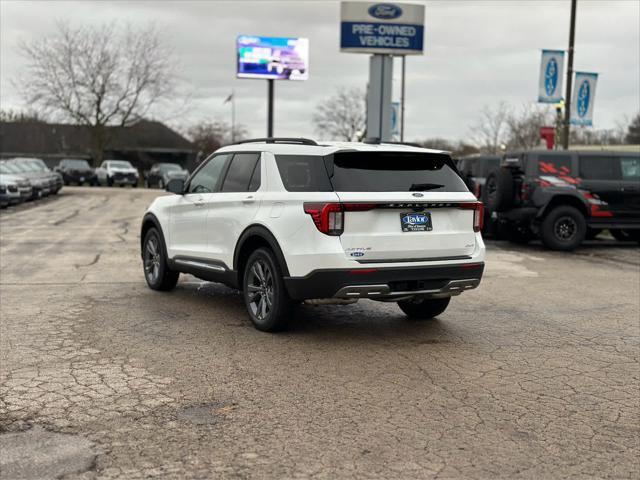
(385,11)
(417,194)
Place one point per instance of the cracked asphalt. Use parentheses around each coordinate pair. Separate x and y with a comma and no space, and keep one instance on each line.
(533,375)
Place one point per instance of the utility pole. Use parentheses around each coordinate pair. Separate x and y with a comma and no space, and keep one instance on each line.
(567,99)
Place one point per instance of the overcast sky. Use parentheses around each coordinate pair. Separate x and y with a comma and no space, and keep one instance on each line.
(476,53)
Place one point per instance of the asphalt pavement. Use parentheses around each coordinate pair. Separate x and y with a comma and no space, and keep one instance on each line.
(533,375)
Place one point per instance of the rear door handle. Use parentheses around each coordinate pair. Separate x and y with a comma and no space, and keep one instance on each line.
(249,199)
(198,202)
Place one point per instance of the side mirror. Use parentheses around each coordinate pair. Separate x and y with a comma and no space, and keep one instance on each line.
(176,185)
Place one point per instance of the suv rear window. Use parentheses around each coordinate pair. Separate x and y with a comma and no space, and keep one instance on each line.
(555,165)
(393,172)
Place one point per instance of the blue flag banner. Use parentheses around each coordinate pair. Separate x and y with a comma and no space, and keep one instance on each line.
(583,98)
(551,74)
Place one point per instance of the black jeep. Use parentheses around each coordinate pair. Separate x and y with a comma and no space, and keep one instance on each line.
(566,196)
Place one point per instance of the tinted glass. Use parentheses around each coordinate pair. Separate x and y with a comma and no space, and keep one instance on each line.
(167,167)
(206,179)
(394,172)
(555,165)
(490,164)
(630,168)
(119,164)
(303,173)
(75,163)
(598,167)
(240,172)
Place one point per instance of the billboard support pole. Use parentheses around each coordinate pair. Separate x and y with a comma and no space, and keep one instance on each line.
(567,100)
(404,60)
(270,108)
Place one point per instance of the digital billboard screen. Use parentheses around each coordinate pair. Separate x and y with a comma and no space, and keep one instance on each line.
(275,58)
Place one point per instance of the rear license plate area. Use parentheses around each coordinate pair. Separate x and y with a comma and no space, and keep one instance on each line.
(416,222)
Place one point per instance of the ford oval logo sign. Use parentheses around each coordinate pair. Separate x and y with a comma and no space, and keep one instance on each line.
(584,92)
(417,194)
(551,77)
(385,11)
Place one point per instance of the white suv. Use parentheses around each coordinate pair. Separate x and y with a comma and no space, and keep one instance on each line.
(290,220)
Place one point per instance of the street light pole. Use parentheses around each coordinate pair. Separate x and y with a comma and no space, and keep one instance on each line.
(567,100)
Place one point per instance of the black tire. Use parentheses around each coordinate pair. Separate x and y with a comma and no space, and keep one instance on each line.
(425,308)
(154,262)
(264,292)
(563,228)
(110,181)
(626,235)
(134,185)
(498,190)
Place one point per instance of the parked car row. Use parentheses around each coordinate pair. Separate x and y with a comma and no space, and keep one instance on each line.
(561,197)
(118,172)
(24,179)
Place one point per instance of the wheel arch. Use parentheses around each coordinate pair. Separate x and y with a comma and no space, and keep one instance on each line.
(253,237)
(149,221)
(560,200)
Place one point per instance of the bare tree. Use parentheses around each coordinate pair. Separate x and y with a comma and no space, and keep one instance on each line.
(341,116)
(209,136)
(490,130)
(21,116)
(98,76)
(524,126)
(633,133)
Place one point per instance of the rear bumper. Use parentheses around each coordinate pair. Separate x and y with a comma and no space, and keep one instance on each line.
(386,283)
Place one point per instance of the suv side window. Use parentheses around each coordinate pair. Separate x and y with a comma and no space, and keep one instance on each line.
(555,165)
(598,167)
(630,168)
(206,179)
(241,172)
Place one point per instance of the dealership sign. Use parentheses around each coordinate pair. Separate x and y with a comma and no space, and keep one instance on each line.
(584,95)
(386,28)
(550,81)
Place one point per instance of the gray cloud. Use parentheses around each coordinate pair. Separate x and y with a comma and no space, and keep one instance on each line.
(476,53)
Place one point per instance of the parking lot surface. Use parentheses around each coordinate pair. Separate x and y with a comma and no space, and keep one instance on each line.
(533,375)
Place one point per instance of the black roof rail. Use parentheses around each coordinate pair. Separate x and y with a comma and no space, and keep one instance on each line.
(377,141)
(298,141)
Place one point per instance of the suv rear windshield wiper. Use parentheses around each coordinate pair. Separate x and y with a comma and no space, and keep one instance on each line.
(421,187)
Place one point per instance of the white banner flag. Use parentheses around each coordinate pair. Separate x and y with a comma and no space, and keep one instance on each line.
(551,69)
(583,98)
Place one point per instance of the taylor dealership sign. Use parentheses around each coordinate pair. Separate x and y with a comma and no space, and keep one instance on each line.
(388,28)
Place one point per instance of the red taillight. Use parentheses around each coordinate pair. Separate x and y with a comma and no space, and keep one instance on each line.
(328,217)
(478,213)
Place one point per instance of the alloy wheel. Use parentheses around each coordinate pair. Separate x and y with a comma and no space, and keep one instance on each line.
(152,260)
(260,287)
